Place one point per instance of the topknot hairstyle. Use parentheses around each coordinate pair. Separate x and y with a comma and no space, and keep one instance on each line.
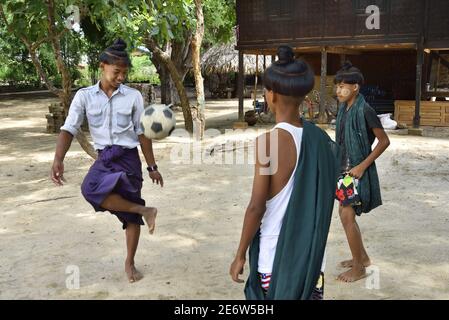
(116,54)
(349,74)
(289,76)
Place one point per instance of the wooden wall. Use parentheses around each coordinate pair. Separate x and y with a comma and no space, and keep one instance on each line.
(328,22)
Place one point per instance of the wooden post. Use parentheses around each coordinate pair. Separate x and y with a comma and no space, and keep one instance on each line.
(265,109)
(437,83)
(419,63)
(322,118)
(428,64)
(255,80)
(241,84)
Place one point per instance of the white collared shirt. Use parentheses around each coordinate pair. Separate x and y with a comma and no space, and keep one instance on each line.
(112,121)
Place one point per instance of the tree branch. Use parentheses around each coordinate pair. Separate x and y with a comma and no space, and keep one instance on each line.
(175,76)
(197,39)
(42,74)
(55,41)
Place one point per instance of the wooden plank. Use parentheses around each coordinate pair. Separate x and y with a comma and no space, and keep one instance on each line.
(406,119)
(432,113)
(430,122)
(432,109)
(341,50)
(356,44)
(432,116)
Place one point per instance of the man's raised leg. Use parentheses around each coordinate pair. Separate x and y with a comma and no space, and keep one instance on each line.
(115,202)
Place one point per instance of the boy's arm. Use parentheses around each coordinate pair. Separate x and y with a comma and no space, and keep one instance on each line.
(255,210)
(383,144)
(147,150)
(62,146)
(70,129)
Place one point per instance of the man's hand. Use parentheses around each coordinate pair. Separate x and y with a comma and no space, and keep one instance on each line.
(236,269)
(157,177)
(357,172)
(57,172)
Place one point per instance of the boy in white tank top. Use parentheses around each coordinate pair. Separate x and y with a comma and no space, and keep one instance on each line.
(278,154)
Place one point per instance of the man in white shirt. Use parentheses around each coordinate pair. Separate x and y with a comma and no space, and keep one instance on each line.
(114,181)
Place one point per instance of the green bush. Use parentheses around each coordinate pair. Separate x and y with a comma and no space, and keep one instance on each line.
(84,79)
(143,70)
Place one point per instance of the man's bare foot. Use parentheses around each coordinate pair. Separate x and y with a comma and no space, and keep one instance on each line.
(149,214)
(349,263)
(132,273)
(354,274)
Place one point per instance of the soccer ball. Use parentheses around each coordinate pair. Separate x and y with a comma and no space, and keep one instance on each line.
(157,121)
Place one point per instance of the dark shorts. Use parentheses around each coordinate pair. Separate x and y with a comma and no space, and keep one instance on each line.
(117,170)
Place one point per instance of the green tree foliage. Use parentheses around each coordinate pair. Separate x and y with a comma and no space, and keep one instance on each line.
(143,70)
(219,22)
(16,69)
(26,28)
(16,66)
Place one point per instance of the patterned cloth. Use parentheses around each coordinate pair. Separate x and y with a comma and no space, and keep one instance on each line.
(317,294)
(346,192)
(265,279)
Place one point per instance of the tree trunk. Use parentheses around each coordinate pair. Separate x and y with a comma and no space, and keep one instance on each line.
(199,81)
(55,40)
(177,80)
(93,63)
(173,93)
(181,56)
(165,86)
(164,77)
(85,144)
(66,94)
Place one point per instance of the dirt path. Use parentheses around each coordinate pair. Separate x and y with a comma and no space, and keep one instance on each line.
(45,229)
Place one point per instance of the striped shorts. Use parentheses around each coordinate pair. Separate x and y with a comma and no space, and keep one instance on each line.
(265,279)
(317,294)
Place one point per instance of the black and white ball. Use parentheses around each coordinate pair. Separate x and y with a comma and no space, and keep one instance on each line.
(157,121)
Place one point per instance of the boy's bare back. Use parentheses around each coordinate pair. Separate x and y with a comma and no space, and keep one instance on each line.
(286,158)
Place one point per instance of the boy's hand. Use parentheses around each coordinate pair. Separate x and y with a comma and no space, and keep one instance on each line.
(236,269)
(157,177)
(57,172)
(357,172)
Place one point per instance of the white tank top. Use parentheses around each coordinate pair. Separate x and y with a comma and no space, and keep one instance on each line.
(276,208)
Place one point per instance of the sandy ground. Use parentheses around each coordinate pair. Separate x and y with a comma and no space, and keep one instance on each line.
(45,229)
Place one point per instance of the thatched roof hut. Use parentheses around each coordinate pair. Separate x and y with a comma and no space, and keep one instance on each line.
(225,59)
